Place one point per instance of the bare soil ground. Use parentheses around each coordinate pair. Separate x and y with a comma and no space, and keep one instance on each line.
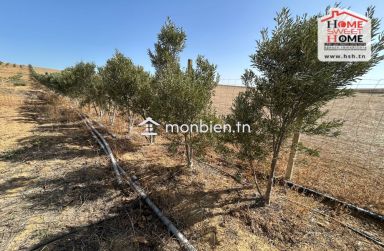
(351,166)
(217,210)
(56,185)
(224,96)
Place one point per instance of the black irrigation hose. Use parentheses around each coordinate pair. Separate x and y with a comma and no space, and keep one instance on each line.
(118,170)
(327,197)
(330,198)
(290,184)
(104,145)
(352,207)
(360,232)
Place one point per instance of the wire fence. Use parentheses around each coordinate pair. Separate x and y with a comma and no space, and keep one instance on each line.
(350,166)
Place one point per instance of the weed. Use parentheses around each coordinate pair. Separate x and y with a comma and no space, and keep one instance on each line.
(16,80)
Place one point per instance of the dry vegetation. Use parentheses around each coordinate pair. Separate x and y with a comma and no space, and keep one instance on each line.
(350,167)
(215,206)
(56,184)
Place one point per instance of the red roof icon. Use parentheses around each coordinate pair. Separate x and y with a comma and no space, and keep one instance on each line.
(338,12)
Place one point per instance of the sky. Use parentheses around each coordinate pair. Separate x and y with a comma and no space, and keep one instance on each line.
(58,34)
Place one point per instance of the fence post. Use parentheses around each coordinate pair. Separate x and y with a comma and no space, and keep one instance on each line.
(189,65)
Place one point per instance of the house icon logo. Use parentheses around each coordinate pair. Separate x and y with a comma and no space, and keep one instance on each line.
(336,13)
(149,131)
(344,36)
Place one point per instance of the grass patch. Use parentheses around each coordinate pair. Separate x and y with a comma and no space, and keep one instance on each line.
(17,80)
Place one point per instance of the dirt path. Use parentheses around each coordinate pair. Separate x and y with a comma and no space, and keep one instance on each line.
(49,174)
(56,184)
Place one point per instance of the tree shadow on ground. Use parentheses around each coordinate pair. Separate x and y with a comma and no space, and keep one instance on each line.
(14,183)
(186,199)
(132,227)
(83,180)
(59,134)
(72,189)
(66,146)
(54,140)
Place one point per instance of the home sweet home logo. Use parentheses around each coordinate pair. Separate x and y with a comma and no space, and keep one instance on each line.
(344,36)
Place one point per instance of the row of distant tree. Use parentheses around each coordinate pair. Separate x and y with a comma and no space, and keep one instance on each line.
(286,95)
(7,64)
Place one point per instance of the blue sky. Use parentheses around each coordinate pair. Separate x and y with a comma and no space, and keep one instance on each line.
(57,34)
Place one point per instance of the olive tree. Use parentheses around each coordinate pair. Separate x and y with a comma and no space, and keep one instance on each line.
(184,98)
(249,146)
(123,83)
(181,96)
(170,42)
(95,95)
(293,86)
(73,81)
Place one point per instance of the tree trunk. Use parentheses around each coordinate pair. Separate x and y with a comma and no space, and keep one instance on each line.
(275,157)
(188,151)
(112,116)
(101,114)
(255,178)
(190,163)
(292,155)
(270,179)
(130,121)
(96,111)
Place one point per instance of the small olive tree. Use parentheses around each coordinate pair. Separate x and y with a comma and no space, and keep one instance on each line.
(180,96)
(72,81)
(293,85)
(123,83)
(170,42)
(95,95)
(184,98)
(249,146)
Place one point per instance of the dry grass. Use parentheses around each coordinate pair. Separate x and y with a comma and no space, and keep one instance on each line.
(56,181)
(217,210)
(350,166)
(56,184)
(211,207)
